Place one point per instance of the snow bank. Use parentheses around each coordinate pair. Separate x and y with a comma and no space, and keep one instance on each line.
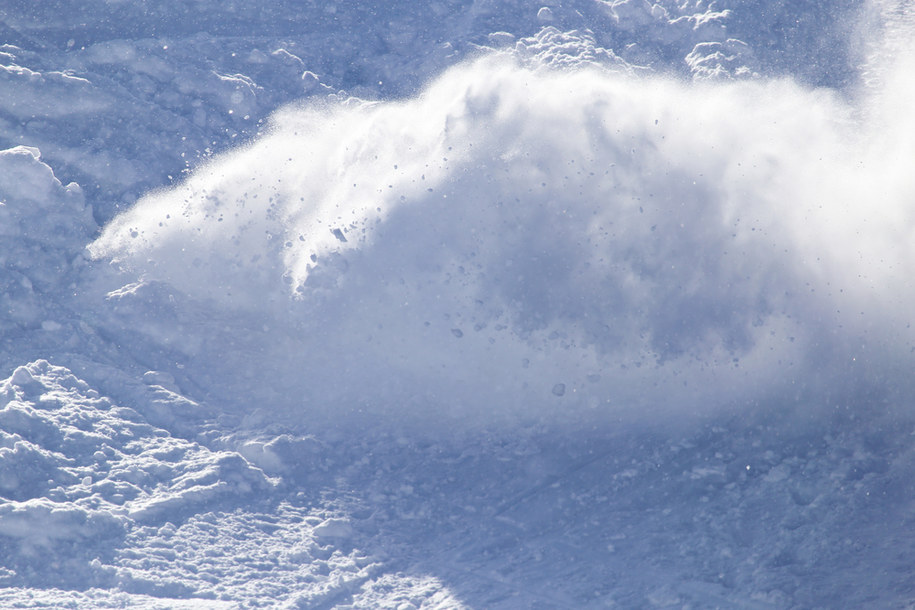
(36,206)
(44,227)
(517,229)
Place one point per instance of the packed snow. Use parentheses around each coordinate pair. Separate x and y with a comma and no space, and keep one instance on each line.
(592,303)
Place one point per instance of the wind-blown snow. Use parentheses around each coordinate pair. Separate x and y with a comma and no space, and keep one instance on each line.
(638,240)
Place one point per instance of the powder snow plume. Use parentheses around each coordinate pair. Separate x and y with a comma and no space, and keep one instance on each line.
(579,241)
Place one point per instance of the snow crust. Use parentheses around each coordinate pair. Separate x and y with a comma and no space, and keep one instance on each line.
(593,303)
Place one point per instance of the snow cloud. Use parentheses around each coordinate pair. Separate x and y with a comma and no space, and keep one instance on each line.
(518,228)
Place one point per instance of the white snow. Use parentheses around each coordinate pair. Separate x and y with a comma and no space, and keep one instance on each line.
(457,304)
(642,233)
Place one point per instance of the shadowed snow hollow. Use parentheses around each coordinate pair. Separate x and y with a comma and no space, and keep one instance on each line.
(530,237)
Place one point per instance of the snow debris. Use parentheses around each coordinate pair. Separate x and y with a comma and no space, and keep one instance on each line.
(711,60)
(333,529)
(44,227)
(556,49)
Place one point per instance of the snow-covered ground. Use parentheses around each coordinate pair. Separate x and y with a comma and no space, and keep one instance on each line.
(484,304)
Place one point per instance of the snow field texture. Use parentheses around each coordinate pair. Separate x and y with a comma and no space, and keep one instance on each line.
(76,467)
(593,303)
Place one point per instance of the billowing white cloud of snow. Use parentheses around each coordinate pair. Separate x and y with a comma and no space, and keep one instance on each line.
(549,241)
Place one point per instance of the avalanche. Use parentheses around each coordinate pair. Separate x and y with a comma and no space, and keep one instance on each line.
(515,227)
(593,303)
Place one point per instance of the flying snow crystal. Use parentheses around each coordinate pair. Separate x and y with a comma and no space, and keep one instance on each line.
(640,238)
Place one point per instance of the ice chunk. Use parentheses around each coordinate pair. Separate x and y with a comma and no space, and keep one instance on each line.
(333,529)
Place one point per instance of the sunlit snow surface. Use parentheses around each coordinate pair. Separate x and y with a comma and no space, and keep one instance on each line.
(590,304)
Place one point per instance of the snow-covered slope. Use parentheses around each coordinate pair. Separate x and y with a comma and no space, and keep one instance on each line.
(588,303)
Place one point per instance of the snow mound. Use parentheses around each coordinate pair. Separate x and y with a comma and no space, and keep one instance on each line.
(44,227)
(77,469)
